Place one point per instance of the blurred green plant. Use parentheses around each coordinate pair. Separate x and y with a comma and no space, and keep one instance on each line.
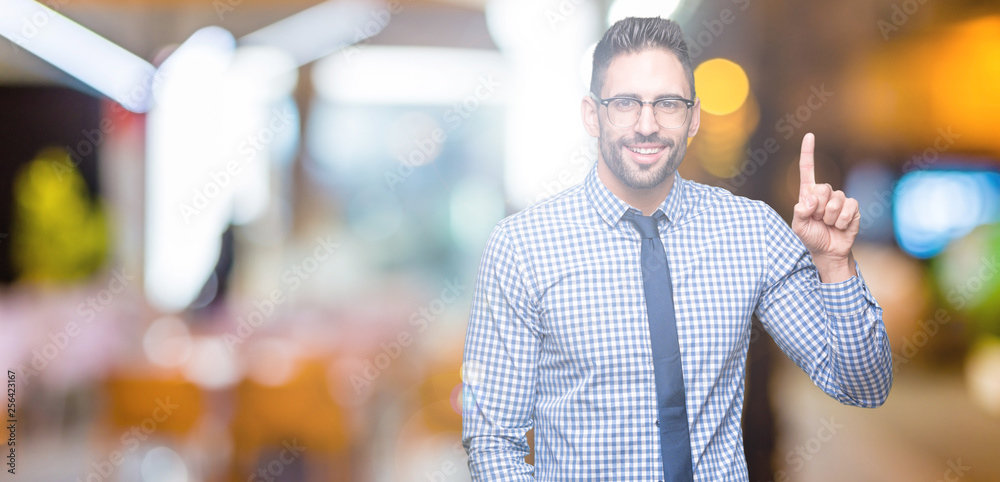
(968,276)
(58,234)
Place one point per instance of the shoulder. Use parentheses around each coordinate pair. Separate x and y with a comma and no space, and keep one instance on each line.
(704,200)
(517,240)
(546,215)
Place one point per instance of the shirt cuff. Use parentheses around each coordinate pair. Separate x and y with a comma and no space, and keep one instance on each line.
(847,298)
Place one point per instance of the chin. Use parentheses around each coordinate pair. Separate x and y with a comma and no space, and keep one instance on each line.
(642,170)
(645,176)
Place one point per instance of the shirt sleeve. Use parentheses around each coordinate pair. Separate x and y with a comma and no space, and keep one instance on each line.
(832,331)
(500,366)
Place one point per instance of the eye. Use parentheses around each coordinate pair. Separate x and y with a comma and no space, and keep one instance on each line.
(624,104)
(669,105)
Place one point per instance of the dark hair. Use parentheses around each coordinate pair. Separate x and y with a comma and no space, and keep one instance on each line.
(633,35)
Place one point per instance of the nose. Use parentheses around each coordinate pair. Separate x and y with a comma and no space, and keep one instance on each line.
(646,125)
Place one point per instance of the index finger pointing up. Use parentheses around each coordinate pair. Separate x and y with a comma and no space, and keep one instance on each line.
(807,168)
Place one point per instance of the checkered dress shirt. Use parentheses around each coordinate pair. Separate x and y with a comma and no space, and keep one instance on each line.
(558,337)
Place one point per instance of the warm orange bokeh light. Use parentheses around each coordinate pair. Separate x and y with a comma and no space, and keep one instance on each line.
(912,91)
(722,86)
(963,74)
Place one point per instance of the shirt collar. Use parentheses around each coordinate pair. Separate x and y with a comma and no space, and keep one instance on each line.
(611,208)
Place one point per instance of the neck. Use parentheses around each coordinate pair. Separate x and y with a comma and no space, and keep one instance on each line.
(645,200)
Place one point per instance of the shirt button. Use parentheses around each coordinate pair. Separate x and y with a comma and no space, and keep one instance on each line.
(658,424)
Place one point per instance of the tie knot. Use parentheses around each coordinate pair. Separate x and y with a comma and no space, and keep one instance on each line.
(646,225)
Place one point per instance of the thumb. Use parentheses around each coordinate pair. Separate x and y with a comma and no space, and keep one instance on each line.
(805,208)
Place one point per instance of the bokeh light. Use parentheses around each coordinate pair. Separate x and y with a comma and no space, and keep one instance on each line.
(167,342)
(212,364)
(983,374)
(161,464)
(721,144)
(968,276)
(723,86)
(935,207)
(962,84)
(456,398)
(272,361)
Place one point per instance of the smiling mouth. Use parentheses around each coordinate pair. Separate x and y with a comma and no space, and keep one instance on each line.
(645,150)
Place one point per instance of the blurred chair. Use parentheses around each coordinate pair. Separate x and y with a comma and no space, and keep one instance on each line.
(295,429)
(151,423)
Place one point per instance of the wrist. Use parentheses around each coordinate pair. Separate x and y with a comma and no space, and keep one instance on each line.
(834,269)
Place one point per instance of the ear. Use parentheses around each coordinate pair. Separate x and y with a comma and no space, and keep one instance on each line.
(589,111)
(695,118)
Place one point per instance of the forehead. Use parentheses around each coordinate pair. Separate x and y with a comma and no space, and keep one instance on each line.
(650,73)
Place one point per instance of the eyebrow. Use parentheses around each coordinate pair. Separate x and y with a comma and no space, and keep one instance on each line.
(637,96)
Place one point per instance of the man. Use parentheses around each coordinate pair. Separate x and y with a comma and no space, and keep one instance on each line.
(629,366)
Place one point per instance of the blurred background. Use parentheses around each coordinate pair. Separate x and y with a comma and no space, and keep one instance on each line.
(239,238)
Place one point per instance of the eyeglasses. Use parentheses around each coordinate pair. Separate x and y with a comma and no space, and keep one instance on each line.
(669,112)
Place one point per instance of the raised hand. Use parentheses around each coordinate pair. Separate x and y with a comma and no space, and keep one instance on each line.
(826,221)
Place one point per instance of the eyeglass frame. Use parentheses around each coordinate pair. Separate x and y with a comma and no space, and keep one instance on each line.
(642,104)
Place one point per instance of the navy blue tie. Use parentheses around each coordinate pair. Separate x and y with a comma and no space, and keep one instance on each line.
(675,441)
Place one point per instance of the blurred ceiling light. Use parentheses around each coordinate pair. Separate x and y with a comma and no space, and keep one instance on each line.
(323,29)
(412,76)
(543,43)
(722,86)
(205,54)
(223,116)
(530,27)
(641,8)
(265,74)
(97,62)
(192,132)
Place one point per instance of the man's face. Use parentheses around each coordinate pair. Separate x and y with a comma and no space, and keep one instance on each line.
(646,154)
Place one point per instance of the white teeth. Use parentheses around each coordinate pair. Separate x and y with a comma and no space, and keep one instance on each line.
(645,150)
